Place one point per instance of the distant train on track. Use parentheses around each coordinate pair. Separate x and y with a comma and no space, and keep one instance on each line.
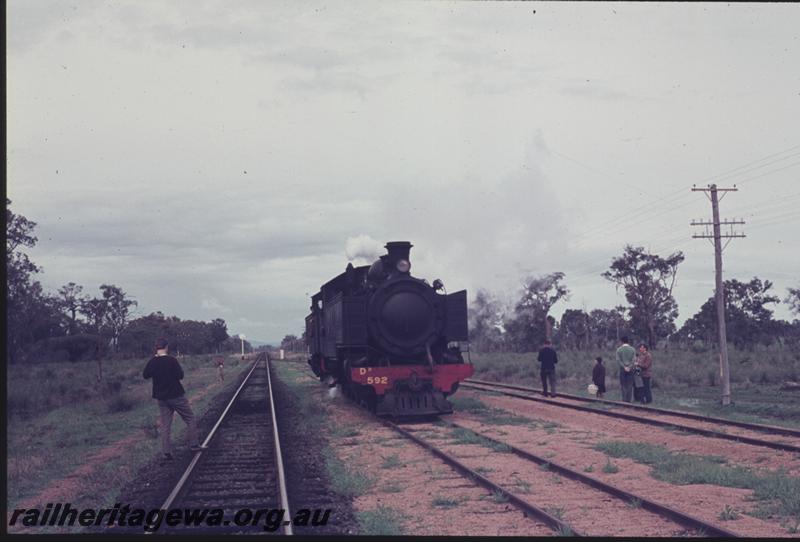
(389,339)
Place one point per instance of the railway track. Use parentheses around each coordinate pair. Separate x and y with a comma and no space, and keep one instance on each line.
(619,506)
(768,436)
(240,469)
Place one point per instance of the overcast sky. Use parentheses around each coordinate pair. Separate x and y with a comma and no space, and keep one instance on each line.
(214,158)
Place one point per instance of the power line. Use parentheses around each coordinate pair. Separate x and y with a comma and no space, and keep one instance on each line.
(780,219)
(726,174)
(614,224)
(793,164)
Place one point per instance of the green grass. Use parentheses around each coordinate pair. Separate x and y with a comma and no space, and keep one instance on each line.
(344,431)
(391,462)
(564,531)
(462,435)
(392,487)
(556,511)
(445,502)
(776,492)
(524,487)
(498,416)
(610,468)
(380,521)
(344,480)
(488,415)
(47,445)
(499,497)
(467,404)
(728,514)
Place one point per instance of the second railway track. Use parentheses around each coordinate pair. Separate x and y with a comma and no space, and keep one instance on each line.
(778,438)
(619,506)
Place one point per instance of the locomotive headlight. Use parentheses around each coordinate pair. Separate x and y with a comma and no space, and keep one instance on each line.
(403,266)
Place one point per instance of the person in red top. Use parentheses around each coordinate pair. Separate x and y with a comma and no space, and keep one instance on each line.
(644,361)
(167,374)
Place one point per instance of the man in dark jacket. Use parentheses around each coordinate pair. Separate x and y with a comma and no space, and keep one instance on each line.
(166,373)
(548,359)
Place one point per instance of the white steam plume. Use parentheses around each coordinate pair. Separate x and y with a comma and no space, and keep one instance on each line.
(363,248)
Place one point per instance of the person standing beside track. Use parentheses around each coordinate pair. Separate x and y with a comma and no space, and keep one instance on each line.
(167,374)
(599,377)
(625,359)
(548,358)
(644,360)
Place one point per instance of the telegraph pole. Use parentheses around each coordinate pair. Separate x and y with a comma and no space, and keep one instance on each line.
(716,235)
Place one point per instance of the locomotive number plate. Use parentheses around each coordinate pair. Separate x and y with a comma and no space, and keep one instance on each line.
(377,380)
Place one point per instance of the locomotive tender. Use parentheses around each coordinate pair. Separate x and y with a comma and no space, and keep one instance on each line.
(387,337)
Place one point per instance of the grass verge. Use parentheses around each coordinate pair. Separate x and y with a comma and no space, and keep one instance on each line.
(776,492)
(380,521)
(84,451)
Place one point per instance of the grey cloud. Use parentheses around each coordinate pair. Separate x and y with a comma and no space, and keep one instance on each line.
(593,90)
(394,121)
(32,21)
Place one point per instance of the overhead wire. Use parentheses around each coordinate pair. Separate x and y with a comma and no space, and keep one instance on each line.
(738,169)
(610,226)
(793,164)
(629,220)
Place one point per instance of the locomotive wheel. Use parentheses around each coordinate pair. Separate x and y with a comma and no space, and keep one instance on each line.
(369,399)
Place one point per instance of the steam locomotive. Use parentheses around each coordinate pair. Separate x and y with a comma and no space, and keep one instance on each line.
(388,338)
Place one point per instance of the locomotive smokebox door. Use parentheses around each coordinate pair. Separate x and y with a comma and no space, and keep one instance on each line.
(402,317)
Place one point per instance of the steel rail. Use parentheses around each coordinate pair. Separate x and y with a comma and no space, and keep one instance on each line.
(525,506)
(660,509)
(773,429)
(647,421)
(287,526)
(179,487)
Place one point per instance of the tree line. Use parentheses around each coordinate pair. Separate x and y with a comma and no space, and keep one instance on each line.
(647,281)
(70,325)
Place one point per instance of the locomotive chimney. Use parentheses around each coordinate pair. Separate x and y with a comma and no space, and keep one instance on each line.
(397,251)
